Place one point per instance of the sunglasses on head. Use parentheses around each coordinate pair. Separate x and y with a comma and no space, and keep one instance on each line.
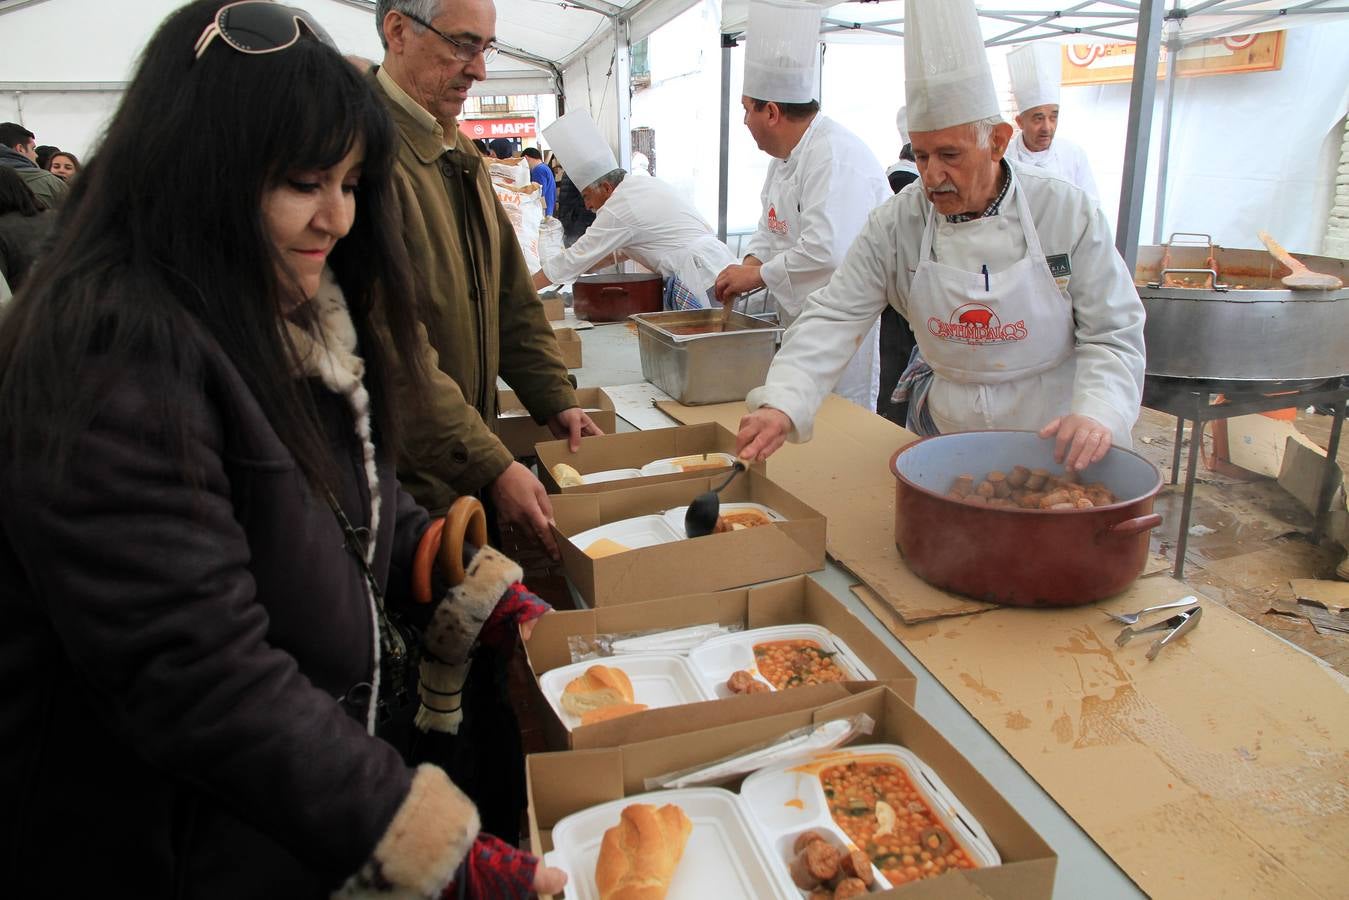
(260,26)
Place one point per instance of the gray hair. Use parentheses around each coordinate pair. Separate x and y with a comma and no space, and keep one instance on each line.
(613,177)
(983,130)
(426,10)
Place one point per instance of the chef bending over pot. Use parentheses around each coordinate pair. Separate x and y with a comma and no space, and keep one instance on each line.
(644,219)
(1026,317)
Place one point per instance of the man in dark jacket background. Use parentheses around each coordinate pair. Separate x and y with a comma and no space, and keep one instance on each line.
(18,151)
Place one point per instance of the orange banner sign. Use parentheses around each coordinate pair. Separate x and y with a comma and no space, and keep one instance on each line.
(1113,62)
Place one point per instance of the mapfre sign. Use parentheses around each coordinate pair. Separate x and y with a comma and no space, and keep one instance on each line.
(497,128)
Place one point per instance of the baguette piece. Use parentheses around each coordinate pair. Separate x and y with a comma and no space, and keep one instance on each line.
(600,686)
(638,856)
(566,476)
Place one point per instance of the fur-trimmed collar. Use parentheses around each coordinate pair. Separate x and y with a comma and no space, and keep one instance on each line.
(328,351)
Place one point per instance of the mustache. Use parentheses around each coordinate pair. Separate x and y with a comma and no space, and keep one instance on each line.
(944,188)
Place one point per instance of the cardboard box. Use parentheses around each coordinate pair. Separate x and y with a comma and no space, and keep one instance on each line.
(632,450)
(711,563)
(519,432)
(794,601)
(554,308)
(569,342)
(565,782)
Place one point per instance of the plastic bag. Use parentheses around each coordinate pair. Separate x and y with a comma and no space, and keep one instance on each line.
(550,239)
(795,746)
(666,640)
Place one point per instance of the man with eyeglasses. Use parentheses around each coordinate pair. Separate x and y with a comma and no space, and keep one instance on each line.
(483,319)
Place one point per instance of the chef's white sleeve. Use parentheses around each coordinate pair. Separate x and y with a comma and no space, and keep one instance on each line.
(833,324)
(832,194)
(605,236)
(1108,326)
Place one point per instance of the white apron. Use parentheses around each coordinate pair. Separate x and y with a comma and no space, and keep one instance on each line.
(1000,345)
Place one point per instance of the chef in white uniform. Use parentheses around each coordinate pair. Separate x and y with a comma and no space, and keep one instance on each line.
(642,218)
(1036,72)
(1021,306)
(821,184)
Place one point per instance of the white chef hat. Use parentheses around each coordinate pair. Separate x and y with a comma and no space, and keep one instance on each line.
(902,123)
(577,141)
(782,52)
(1036,72)
(947,79)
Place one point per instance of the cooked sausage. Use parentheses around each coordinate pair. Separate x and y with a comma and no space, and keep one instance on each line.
(1030,500)
(962,485)
(740,681)
(849,887)
(1085,503)
(757,687)
(1018,476)
(1049,501)
(1000,486)
(817,862)
(1036,480)
(984,489)
(805,839)
(856,864)
(975,499)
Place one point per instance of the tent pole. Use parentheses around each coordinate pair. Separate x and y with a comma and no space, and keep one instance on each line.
(1173,47)
(623,90)
(1142,93)
(724,160)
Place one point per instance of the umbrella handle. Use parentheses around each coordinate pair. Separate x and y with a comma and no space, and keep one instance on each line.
(465,520)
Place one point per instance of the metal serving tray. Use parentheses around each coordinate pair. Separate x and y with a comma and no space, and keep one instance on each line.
(697,367)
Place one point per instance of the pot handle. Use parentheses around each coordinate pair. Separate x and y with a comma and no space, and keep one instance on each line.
(1130,527)
(613,290)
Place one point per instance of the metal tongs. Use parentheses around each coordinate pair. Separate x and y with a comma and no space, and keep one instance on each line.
(1176,626)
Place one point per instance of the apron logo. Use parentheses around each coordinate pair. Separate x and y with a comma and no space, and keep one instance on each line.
(1059,265)
(776,225)
(975,323)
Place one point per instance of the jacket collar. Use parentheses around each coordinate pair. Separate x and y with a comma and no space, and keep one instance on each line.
(15,160)
(419,128)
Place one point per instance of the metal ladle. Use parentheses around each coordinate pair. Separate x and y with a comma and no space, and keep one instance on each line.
(701,516)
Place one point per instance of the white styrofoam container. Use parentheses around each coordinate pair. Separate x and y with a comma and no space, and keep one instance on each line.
(715,660)
(635,533)
(785,801)
(673,464)
(610,475)
(658,680)
(675,517)
(725,856)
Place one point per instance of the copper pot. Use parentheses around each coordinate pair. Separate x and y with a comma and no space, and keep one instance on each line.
(612,298)
(1020,557)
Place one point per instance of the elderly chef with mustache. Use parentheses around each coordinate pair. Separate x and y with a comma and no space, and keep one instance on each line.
(1023,310)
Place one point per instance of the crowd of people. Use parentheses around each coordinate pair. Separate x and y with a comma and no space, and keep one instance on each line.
(232,409)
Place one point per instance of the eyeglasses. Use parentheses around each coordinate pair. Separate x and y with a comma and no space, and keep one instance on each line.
(463,50)
(260,26)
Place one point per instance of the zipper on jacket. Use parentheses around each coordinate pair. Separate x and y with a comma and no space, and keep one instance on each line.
(469,186)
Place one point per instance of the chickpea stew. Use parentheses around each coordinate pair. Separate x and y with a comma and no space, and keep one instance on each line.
(888,818)
(794,663)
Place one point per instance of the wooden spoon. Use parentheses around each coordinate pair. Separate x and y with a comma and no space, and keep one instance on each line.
(1302,278)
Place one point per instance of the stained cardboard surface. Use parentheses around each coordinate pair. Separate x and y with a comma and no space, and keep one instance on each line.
(845,473)
(711,563)
(519,432)
(632,450)
(1218,769)
(792,601)
(566,782)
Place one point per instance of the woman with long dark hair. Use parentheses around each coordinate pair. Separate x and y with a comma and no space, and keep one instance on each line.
(25,223)
(64,165)
(203,546)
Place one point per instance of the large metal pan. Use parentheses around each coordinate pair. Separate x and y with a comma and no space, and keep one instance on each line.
(1220,315)
(612,298)
(1020,557)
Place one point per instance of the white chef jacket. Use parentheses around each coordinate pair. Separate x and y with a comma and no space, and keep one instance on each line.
(654,224)
(814,204)
(1105,369)
(1063,158)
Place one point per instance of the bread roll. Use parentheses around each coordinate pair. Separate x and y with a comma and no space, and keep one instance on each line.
(600,686)
(605,547)
(638,856)
(566,476)
(616,711)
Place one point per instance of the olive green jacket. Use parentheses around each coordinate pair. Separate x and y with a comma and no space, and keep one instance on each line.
(480,313)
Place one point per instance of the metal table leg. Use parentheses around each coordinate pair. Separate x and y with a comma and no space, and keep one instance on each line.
(1328,476)
(1196,439)
(1175,454)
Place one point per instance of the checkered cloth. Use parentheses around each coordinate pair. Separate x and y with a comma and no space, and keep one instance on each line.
(517,606)
(678,296)
(913,385)
(493,870)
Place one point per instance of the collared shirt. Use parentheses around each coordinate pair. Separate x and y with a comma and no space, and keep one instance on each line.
(992,209)
(405,102)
